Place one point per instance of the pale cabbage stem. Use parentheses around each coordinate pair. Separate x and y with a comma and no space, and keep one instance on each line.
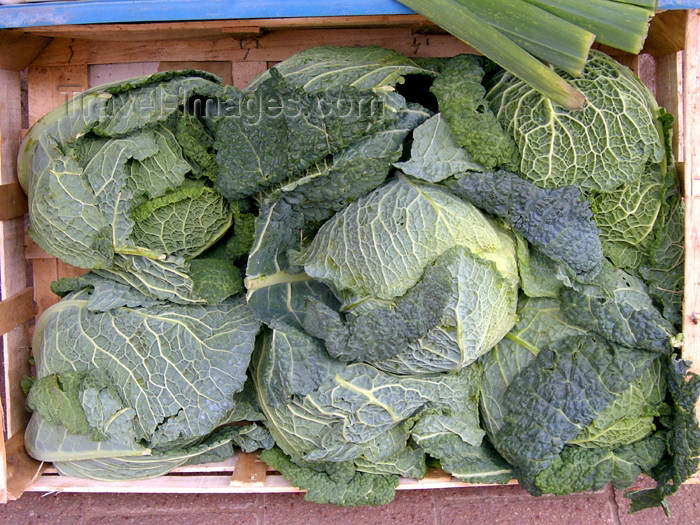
(264,281)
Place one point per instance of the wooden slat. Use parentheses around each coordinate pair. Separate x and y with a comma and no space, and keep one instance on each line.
(273,46)
(220,68)
(22,470)
(631,61)
(13,201)
(16,310)
(691,305)
(669,94)
(49,87)
(667,33)
(243,72)
(66,270)
(19,49)
(105,73)
(32,250)
(249,471)
(45,272)
(13,267)
(214,29)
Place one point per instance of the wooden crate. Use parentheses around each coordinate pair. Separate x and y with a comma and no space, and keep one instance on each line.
(63,60)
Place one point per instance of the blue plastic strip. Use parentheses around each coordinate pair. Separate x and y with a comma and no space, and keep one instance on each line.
(114,11)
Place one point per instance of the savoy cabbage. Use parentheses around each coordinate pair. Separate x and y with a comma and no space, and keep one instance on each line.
(384,262)
(149,380)
(112,189)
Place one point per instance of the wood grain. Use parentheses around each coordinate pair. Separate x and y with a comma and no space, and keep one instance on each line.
(13,267)
(13,201)
(691,306)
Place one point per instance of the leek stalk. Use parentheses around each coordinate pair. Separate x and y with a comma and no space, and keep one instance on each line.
(546,36)
(456,19)
(617,24)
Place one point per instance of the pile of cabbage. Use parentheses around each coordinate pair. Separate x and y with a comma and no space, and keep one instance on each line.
(365,264)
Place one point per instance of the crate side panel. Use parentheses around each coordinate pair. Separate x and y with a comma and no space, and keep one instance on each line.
(243,72)
(691,324)
(48,88)
(221,68)
(106,73)
(273,46)
(13,270)
(669,94)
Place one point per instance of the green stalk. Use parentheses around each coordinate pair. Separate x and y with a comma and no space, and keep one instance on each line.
(649,4)
(546,36)
(620,25)
(456,19)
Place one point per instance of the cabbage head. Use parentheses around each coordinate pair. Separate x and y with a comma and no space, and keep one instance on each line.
(345,432)
(130,388)
(120,180)
(427,282)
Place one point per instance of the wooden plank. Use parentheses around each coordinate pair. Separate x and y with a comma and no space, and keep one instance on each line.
(631,61)
(212,29)
(669,94)
(667,33)
(691,304)
(66,270)
(13,267)
(243,72)
(16,310)
(22,470)
(104,73)
(32,249)
(273,46)
(49,87)
(220,68)
(19,49)
(83,52)
(249,471)
(45,272)
(13,201)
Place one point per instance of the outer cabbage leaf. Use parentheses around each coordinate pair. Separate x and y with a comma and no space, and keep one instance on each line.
(87,166)
(631,415)
(682,443)
(663,269)
(540,323)
(617,306)
(583,469)
(600,148)
(361,489)
(558,221)
(324,67)
(177,367)
(279,130)
(480,464)
(435,155)
(461,99)
(561,392)
(626,217)
(216,447)
(182,223)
